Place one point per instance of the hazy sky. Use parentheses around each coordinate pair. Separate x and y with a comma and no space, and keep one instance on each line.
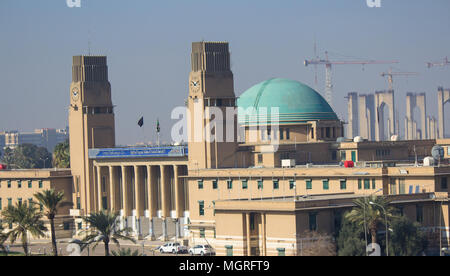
(148,45)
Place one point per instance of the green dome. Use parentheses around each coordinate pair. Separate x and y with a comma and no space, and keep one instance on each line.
(296,101)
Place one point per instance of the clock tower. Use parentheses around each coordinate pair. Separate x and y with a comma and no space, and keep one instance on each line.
(212,136)
(91,124)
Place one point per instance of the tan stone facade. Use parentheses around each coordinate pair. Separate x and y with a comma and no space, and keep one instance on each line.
(19,186)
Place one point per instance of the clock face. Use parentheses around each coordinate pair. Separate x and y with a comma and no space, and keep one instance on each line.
(195,85)
(75,94)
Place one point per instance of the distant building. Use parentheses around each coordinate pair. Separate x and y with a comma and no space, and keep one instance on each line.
(46,137)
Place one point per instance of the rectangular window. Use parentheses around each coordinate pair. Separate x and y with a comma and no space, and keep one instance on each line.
(30,201)
(260,184)
(200,184)
(105,203)
(260,158)
(9,201)
(244,184)
(66,226)
(202,232)
(288,134)
(312,221)
(229,249)
(309,184)
(252,221)
(401,186)
(281,134)
(276,184)
(19,184)
(30,184)
(281,251)
(366,184)
(326,184)
(201,208)
(359,184)
(312,133)
(343,156)
(40,184)
(214,184)
(392,187)
(291,184)
(78,203)
(419,213)
(230,184)
(444,185)
(79,226)
(9,183)
(343,184)
(1,203)
(104,184)
(19,200)
(374,184)
(354,156)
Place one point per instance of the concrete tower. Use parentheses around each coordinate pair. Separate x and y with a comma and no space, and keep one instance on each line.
(367,115)
(353,119)
(212,138)
(382,99)
(91,123)
(415,100)
(443,98)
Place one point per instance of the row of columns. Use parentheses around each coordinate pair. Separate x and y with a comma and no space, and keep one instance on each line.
(148,187)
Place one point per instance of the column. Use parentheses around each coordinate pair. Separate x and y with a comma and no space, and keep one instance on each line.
(263,230)
(137,191)
(125,202)
(178,194)
(247,226)
(112,190)
(151,200)
(98,170)
(164,192)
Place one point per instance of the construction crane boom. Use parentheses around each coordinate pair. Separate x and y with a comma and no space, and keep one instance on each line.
(391,75)
(442,64)
(328,67)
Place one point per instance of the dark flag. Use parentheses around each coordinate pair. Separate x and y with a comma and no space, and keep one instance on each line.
(141,122)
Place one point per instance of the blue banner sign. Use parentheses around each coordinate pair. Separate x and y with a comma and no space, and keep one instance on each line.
(175,151)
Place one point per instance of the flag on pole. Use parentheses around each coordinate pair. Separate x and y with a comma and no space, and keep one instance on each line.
(158,129)
(141,122)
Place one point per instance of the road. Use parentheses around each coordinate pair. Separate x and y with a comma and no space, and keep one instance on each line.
(42,247)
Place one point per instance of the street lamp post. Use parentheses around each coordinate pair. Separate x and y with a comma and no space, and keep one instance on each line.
(385,220)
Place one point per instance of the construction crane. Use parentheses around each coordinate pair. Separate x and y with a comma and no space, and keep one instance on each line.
(328,66)
(442,64)
(390,75)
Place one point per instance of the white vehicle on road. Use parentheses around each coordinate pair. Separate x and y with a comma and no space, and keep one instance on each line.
(173,247)
(202,250)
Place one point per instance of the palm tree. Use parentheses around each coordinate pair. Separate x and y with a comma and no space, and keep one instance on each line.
(51,200)
(104,225)
(126,252)
(25,219)
(371,214)
(61,155)
(3,238)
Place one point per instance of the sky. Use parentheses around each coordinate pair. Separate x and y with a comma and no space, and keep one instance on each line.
(148,45)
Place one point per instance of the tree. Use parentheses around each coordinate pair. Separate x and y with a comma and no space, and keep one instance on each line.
(51,200)
(27,156)
(3,238)
(61,155)
(24,218)
(317,244)
(406,238)
(372,214)
(126,252)
(105,228)
(350,239)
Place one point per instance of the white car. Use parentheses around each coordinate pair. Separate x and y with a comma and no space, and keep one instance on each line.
(173,247)
(202,250)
